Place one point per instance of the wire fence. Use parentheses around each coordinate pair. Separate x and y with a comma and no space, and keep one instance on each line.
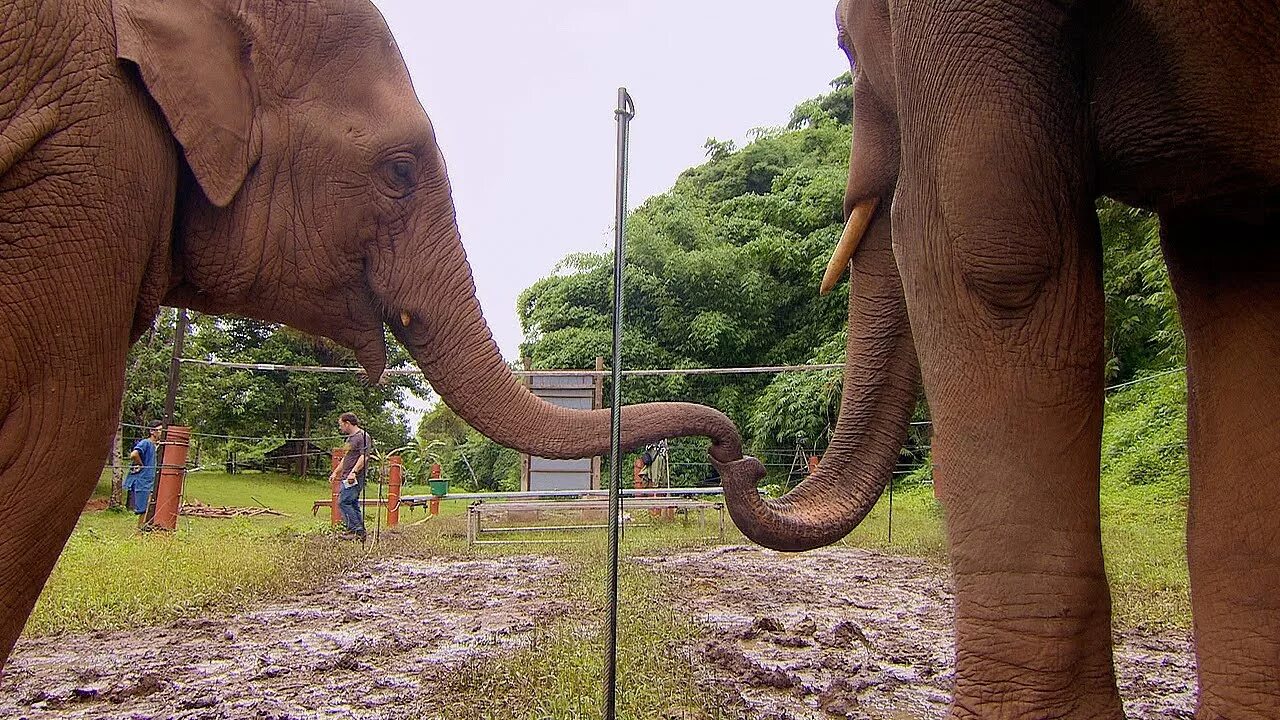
(771,457)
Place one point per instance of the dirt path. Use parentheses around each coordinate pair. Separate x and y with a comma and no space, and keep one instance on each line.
(364,648)
(841,632)
(831,633)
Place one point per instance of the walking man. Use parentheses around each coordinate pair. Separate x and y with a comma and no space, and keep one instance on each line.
(142,471)
(351,472)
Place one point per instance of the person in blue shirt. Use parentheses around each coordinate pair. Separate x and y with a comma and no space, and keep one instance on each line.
(142,471)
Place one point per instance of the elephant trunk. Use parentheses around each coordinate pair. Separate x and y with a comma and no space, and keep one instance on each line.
(880,381)
(448,337)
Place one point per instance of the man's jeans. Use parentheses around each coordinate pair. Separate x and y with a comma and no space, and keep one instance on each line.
(349,506)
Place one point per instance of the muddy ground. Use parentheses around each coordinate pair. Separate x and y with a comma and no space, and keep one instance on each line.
(367,647)
(833,633)
(848,633)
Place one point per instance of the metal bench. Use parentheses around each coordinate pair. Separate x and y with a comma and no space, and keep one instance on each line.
(479,510)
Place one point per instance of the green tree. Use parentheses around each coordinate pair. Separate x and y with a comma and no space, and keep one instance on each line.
(722,271)
(260,408)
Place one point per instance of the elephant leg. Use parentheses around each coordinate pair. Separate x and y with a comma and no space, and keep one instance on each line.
(1017,409)
(1226,273)
(998,245)
(47,476)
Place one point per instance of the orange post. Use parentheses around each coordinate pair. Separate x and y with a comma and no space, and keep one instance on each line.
(335,486)
(637,480)
(169,485)
(433,507)
(394,478)
(813,463)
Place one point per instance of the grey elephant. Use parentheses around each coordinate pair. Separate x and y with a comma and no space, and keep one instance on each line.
(264,158)
(982,134)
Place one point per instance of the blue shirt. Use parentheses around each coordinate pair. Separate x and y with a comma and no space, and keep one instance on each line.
(141,478)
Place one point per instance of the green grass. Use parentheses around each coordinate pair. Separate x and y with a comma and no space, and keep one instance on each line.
(1144,544)
(557,672)
(918,530)
(110,575)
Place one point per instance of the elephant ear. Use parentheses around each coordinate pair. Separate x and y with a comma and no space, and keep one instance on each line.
(193,56)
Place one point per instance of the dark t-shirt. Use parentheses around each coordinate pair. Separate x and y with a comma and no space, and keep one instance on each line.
(358,443)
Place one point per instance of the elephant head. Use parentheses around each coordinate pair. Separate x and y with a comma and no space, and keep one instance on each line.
(881,372)
(317,196)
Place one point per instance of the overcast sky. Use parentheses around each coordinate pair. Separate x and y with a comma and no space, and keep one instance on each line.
(522,94)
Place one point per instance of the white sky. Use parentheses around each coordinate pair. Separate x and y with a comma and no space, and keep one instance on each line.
(522,97)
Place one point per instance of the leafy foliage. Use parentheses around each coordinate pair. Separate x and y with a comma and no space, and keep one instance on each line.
(1143,329)
(722,271)
(257,407)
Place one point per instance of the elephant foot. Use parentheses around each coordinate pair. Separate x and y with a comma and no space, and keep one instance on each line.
(1074,709)
(1024,696)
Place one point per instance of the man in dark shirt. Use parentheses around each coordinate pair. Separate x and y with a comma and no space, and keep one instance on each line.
(351,472)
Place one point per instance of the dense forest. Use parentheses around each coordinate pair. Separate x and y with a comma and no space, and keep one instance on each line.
(723,270)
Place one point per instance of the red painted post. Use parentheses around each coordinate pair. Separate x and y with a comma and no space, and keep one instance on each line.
(169,484)
(394,478)
(813,463)
(637,480)
(335,486)
(433,507)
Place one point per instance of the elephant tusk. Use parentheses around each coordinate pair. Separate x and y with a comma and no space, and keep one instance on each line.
(854,229)
(405,318)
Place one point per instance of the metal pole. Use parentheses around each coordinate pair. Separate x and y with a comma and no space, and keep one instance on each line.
(170,399)
(624,114)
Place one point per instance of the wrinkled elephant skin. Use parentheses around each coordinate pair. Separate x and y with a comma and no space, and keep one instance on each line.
(986,130)
(268,159)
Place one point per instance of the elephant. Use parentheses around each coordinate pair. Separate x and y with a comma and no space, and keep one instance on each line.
(266,158)
(983,132)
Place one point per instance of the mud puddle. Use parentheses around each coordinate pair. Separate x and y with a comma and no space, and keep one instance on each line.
(367,647)
(848,633)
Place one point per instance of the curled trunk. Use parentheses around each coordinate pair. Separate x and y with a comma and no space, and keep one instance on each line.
(880,380)
(451,342)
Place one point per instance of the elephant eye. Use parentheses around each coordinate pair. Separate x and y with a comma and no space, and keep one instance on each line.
(399,175)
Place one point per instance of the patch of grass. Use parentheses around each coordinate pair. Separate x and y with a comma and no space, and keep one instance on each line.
(558,673)
(1144,544)
(918,528)
(109,575)
(1143,501)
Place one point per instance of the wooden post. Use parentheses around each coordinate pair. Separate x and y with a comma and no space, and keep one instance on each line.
(394,478)
(117,467)
(597,402)
(525,462)
(335,486)
(433,507)
(170,401)
(168,491)
(306,442)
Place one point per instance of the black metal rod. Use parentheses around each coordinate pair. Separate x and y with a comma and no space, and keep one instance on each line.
(625,112)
